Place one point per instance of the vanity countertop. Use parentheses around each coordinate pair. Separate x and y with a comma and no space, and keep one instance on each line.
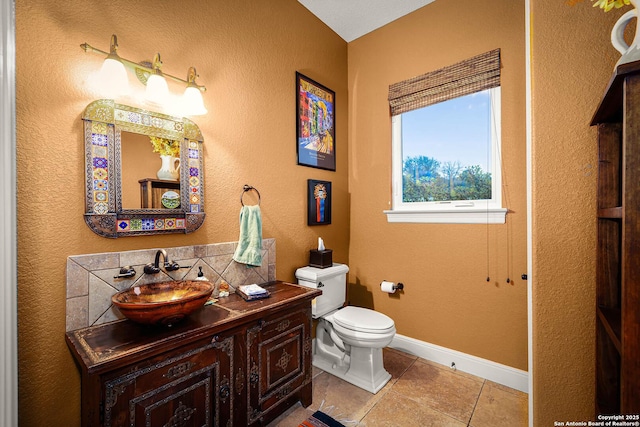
(100,348)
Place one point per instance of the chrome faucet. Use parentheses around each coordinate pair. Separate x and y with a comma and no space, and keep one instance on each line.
(155,267)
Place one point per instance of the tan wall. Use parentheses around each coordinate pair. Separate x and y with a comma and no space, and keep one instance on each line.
(447,300)
(246,53)
(572,60)
(138,162)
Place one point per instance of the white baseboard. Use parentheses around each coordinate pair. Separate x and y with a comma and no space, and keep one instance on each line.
(483,368)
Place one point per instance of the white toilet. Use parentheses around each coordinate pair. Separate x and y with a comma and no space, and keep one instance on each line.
(349,340)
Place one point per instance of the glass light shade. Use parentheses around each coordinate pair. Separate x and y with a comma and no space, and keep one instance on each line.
(192,103)
(113,77)
(157,90)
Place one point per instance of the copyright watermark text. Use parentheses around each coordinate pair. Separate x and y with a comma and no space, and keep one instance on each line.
(632,420)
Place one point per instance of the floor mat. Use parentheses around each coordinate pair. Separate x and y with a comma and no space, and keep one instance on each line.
(320,419)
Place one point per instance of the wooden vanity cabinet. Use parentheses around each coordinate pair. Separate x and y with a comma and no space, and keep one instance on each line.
(190,386)
(234,363)
(279,365)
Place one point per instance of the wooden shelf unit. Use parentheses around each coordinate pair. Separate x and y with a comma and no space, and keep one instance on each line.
(618,247)
(151,191)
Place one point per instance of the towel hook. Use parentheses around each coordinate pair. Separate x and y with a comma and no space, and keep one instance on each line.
(246,188)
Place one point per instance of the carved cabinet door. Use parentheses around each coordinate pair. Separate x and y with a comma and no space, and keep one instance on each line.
(279,361)
(189,387)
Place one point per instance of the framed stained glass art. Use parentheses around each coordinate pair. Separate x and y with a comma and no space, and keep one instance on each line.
(315,124)
(318,202)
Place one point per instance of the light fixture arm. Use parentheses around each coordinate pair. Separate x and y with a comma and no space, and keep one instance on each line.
(151,70)
(157,64)
(191,77)
(113,46)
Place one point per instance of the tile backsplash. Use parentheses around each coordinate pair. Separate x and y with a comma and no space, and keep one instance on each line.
(91,282)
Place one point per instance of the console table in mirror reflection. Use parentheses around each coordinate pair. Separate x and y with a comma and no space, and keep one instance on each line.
(125,195)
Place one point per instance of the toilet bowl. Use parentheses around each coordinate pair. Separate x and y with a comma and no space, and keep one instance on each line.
(349,340)
(363,327)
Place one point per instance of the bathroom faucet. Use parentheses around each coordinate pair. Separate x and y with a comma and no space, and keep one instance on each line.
(155,267)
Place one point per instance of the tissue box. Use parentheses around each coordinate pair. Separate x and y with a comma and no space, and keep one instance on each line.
(321,259)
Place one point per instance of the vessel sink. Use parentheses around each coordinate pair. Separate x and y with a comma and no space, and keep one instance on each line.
(162,303)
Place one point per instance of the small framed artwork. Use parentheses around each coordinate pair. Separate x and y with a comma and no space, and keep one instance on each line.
(318,202)
(315,124)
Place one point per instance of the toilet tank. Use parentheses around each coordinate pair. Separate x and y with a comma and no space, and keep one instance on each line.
(332,281)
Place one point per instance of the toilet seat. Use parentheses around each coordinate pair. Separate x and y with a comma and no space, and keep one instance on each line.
(364,321)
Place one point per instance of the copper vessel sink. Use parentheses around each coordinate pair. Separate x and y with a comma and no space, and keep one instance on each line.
(162,303)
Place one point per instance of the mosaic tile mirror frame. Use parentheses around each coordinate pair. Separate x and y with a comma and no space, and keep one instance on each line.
(104,122)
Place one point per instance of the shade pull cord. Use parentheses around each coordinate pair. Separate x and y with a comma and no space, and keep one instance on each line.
(488,277)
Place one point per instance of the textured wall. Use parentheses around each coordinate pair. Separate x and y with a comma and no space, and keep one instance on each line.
(572,60)
(246,53)
(447,300)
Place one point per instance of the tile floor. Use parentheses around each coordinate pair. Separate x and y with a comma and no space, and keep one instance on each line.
(420,393)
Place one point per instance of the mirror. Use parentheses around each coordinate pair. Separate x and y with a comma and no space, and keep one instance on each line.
(141,165)
(132,190)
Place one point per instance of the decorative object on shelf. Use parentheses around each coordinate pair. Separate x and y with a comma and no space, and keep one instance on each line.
(630,53)
(607,5)
(315,124)
(318,202)
(169,151)
(165,146)
(171,200)
(114,76)
(223,289)
(169,169)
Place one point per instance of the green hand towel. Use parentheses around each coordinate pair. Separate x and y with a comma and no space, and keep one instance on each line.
(249,250)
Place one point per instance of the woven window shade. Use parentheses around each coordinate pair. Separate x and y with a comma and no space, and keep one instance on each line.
(472,75)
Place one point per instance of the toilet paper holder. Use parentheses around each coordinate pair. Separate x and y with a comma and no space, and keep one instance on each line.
(395,286)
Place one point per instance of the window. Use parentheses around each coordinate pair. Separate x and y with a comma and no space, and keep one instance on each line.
(446,145)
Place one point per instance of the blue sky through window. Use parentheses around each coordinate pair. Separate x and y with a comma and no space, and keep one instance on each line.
(454,130)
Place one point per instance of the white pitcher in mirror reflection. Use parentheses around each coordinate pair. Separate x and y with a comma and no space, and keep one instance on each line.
(170,169)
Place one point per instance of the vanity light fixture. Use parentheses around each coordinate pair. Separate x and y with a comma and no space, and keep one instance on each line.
(113,73)
(157,90)
(114,76)
(192,102)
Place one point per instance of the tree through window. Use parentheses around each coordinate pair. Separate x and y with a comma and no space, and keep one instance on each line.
(446,140)
(446,150)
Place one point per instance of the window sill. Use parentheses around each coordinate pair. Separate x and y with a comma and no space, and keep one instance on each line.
(449,216)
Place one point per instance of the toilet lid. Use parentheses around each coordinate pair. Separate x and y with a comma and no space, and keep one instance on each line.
(363,319)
